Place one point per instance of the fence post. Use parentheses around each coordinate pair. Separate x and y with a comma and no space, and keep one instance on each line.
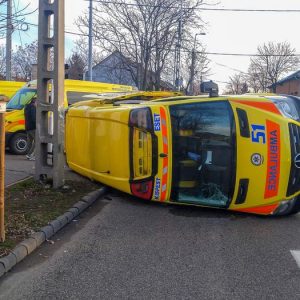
(2,168)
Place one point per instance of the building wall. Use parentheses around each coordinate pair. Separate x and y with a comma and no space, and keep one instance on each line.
(291,87)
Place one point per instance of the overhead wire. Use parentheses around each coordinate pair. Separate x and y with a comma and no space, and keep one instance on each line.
(200,8)
(19,31)
(225,66)
(196,8)
(184,50)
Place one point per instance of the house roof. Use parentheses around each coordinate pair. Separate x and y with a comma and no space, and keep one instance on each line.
(164,84)
(115,53)
(293,76)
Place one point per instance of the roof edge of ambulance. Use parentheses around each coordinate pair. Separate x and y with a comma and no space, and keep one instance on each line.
(187,98)
(83,83)
(219,97)
(172,100)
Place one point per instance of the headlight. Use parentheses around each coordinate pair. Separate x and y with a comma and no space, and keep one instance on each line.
(287,108)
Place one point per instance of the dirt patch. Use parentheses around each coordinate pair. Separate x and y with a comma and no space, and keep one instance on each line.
(30,205)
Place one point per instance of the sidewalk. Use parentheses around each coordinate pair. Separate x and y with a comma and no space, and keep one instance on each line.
(17,167)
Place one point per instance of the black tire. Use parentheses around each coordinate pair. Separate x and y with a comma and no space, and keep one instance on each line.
(18,144)
(290,208)
(296,207)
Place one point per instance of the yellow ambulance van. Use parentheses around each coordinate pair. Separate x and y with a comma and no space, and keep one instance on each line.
(239,153)
(75,90)
(9,88)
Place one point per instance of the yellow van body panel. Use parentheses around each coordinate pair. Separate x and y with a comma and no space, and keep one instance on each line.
(14,121)
(97,149)
(91,86)
(258,192)
(9,88)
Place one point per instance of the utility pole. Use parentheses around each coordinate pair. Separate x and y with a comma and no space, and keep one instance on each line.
(192,75)
(193,64)
(9,30)
(50,104)
(90,62)
(177,78)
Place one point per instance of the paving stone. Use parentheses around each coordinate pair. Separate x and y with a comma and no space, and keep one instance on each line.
(56,225)
(48,230)
(40,237)
(81,205)
(63,220)
(2,269)
(93,196)
(20,252)
(8,261)
(30,244)
(85,198)
(69,216)
(74,211)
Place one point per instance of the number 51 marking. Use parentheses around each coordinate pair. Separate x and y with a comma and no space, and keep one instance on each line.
(258,134)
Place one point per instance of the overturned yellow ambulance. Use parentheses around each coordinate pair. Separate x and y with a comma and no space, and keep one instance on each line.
(240,153)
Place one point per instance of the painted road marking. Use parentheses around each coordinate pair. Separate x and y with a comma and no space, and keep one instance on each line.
(296,255)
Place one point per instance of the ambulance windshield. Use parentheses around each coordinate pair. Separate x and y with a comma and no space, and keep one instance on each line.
(204,153)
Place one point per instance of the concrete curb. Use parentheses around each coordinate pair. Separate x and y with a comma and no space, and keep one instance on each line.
(19,181)
(24,248)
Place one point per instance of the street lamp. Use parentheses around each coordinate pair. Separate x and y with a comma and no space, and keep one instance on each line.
(193,63)
(195,39)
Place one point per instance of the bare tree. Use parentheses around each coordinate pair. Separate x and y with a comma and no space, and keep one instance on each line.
(2,61)
(76,66)
(273,61)
(257,79)
(81,48)
(254,79)
(237,84)
(144,31)
(195,67)
(23,59)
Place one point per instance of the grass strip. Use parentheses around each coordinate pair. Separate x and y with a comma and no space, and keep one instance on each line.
(30,205)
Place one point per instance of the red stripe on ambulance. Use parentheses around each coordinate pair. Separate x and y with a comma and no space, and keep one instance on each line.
(164,130)
(273,166)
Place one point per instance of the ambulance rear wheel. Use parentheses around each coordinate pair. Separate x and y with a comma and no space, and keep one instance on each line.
(18,143)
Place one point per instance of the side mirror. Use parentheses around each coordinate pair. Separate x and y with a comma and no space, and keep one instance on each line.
(210,87)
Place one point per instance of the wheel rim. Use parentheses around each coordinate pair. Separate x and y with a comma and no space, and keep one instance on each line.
(21,144)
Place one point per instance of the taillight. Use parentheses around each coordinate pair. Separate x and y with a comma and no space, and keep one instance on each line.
(141,118)
(142,189)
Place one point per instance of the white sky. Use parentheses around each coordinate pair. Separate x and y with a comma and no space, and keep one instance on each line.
(242,32)
(229,32)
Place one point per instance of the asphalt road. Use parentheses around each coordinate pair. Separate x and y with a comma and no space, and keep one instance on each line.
(123,248)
